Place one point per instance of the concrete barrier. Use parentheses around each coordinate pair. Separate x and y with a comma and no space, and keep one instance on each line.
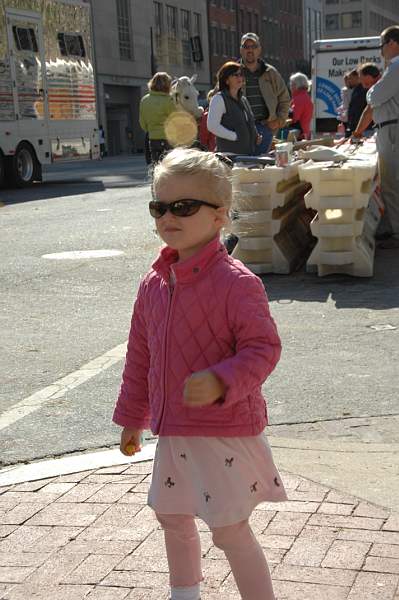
(271,219)
(346,197)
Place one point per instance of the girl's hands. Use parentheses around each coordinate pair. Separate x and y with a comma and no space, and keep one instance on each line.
(203,388)
(130,441)
(259,139)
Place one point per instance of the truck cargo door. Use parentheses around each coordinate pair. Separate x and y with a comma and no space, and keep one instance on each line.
(28,67)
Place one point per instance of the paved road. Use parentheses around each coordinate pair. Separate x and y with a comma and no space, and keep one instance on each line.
(340,334)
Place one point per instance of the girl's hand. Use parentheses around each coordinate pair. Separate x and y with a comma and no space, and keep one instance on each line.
(203,388)
(259,139)
(130,441)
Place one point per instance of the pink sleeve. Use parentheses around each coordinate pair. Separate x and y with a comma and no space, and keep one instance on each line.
(258,346)
(132,407)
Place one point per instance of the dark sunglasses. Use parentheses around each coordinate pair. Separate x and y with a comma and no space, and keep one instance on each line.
(237,74)
(178,208)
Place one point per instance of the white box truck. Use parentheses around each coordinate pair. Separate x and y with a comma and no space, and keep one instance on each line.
(47,87)
(331,60)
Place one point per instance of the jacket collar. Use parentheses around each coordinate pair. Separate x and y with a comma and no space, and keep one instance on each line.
(190,269)
(262,66)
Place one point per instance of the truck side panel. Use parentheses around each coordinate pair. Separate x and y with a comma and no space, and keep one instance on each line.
(7,112)
(331,60)
(66,107)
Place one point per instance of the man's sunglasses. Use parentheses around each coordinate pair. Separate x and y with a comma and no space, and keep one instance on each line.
(250,47)
(178,208)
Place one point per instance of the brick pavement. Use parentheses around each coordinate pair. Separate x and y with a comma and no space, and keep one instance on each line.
(91,535)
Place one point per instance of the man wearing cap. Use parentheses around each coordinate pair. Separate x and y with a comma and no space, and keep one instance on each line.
(384,100)
(265,90)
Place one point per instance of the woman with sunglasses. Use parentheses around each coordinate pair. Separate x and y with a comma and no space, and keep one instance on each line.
(230,117)
(202,342)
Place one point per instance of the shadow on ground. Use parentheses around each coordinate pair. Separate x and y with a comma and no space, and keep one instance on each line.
(61,189)
(380,292)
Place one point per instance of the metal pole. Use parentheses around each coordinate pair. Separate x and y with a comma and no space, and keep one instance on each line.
(153,63)
(238,24)
(210,47)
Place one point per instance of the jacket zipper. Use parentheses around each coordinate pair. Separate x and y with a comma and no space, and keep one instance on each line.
(164,353)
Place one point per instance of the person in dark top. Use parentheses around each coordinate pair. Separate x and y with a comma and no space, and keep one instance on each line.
(357,102)
(230,116)
(369,74)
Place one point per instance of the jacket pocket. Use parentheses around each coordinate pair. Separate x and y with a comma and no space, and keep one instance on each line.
(215,414)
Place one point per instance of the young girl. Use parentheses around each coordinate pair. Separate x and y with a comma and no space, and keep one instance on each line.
(201,344)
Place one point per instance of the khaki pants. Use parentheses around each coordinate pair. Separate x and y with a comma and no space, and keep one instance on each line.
(388,153)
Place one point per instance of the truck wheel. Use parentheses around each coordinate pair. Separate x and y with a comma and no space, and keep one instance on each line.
(24,166)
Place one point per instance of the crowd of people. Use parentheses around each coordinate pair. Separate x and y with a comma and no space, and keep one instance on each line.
(370,103)
(251,104)
(248,106)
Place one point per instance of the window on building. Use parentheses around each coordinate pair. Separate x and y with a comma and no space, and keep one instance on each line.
(226,42)
(219,42)
(25,39)
(71,44)
(249,21)
(351,20)
(233,42)
(332,22)
(158,10)
(124,29)
(197,24)
(159,27)
(171,18)
(214,34)
(171,13)
(242,20)
(332,1)
(185,22)
(256,23)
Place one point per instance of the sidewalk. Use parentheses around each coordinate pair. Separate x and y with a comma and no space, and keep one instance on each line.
(91,535)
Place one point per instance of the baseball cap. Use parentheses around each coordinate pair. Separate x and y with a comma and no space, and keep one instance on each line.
(250,36)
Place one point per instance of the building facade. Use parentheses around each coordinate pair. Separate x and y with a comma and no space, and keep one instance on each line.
(312,28)
(357,18)
(291,37)
(279,24)
(133,40)
(122,44)
(223,33)
(181,26)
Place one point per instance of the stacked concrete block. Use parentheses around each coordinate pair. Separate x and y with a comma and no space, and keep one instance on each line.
(345,197)
(270,218)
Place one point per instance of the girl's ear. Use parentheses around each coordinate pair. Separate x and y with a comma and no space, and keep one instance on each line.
(221,216)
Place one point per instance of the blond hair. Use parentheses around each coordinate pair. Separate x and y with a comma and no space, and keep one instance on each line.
(190,161)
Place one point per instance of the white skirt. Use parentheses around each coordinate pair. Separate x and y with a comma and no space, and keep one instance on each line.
(219,479)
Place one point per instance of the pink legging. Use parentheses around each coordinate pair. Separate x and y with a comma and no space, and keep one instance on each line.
(242,550)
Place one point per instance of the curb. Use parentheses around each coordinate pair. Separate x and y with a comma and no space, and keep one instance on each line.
(71,464)
(367,471)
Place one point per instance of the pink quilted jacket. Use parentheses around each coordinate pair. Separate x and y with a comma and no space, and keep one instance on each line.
(216,317)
